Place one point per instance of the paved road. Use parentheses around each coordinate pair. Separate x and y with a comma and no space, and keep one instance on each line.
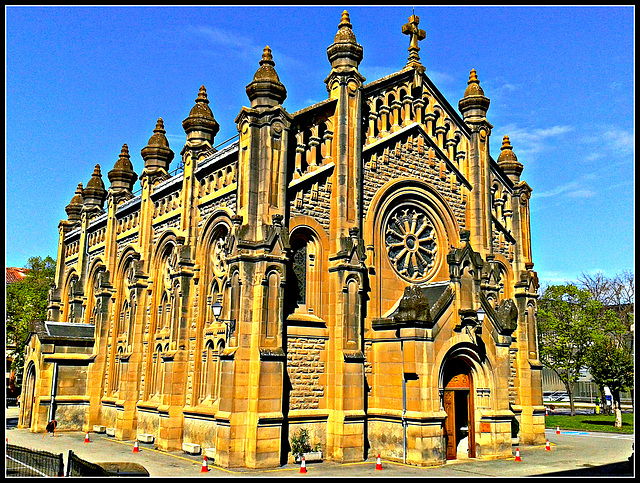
(572,453)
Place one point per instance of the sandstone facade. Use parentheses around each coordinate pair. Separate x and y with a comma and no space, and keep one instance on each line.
(373,264)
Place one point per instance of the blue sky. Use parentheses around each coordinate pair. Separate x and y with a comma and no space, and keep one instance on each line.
(82,81)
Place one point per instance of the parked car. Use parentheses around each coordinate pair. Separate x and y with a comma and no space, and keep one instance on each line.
(559,396)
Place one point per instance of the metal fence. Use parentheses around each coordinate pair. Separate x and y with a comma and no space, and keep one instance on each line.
(28,462)
(583,390)
(78,467)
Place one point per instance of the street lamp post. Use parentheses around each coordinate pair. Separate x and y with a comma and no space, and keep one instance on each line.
(230,325)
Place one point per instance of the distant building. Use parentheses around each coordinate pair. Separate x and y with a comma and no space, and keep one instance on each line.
(371,260)
(12,275)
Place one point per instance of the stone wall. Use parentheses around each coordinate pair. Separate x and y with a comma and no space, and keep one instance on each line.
(71,416)
(314,202)
(402,159)
(306,367)
(200,430)
(147,421)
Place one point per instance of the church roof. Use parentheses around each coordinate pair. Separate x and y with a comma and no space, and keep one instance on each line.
(15,274)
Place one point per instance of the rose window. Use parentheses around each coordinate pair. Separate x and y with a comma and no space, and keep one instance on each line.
(410,240)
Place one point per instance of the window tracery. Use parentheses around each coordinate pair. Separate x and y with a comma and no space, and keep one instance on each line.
(410,242)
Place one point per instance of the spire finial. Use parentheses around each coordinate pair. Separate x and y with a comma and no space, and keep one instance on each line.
(160,126)
(267,57)
(508,161)
(202,95)
(473,85)
(345,21)
(415,34)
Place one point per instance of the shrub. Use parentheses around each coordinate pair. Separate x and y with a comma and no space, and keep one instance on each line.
(300,442)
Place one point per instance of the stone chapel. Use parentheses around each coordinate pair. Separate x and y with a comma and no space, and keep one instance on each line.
(360,268)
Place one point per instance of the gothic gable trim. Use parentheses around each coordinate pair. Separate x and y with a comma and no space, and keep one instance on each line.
(405,74)
(430,143)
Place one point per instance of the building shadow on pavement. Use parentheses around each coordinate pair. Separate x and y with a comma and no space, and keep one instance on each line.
(623,468)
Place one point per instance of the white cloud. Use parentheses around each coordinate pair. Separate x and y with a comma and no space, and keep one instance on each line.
(578,188)
(219,37)
(568,187)
(581,193)
(610,140)
(528,142)
(441,78)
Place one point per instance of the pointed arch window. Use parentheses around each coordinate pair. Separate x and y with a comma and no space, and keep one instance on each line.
(299,267)
(210,377)
(218,371)
(164,308)
(115,376)
(352,317)
(272,296)
(304,284)
(156,373)
(123,320)
(208,371)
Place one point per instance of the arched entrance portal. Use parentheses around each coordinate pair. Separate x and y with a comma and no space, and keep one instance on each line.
(458,404)
(28,398)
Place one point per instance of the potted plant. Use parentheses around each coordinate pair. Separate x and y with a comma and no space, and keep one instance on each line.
(301,446)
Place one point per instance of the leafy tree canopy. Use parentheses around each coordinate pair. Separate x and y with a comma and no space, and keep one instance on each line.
(567,317)
(26,300)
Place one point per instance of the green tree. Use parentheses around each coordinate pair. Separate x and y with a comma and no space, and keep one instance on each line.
(26,300)
(610,361)
(611,365)
(567,317)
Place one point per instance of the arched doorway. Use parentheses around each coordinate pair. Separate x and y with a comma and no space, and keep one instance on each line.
(28,399)
(458,404)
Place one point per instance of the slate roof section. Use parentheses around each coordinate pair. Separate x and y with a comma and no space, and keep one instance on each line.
(69,330)
(60,332)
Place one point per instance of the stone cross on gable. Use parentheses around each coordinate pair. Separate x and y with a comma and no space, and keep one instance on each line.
(415,34)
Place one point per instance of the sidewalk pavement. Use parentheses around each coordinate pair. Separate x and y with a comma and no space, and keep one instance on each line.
(572,453)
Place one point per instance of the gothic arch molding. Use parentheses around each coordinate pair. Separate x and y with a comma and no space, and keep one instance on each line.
(481,367)
(423,202)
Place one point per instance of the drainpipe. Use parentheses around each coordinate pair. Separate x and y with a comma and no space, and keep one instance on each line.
(404,421)
(54,383)
(404,408)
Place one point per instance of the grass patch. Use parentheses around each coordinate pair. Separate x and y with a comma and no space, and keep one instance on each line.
(595,422)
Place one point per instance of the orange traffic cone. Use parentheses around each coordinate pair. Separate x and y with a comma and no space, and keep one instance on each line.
(548,447)
(518,455)
(205,466)
(86,437)
(303,466)
(557,429)
(378,463)
(135,447)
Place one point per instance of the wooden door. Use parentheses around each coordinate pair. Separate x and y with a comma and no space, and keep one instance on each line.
(450,425)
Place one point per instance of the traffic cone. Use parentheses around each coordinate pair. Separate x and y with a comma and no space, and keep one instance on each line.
(548,447)
(518,455)
(303,466)
(378,463)
(205,466)
(557,429)
(86,437)
(135,447)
